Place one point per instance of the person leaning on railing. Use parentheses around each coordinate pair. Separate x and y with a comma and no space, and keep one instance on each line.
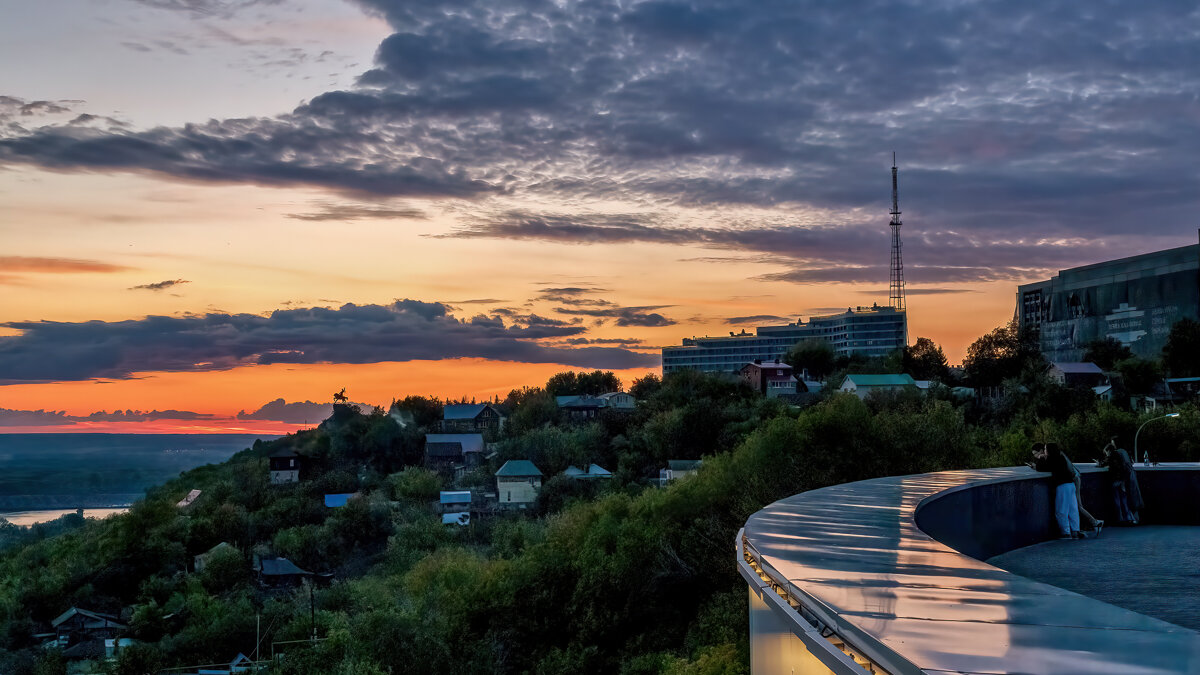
(1127,494)
(1047,457)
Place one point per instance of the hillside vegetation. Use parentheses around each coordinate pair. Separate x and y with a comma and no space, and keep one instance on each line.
(618,578)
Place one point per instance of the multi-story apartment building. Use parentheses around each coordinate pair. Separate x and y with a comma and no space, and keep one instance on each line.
(870,331)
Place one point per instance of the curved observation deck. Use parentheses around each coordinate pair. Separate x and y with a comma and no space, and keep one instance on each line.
(886,576)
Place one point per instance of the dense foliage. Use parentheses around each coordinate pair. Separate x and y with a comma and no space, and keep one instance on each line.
(613,577)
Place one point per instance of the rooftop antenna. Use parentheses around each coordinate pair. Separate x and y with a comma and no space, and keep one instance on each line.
(896,289)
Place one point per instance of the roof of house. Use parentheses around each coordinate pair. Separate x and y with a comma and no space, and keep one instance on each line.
(284,453)
(1083,368)
(338,499)
(574,471)
(463,518)
(597,470)
(519,467)
(191,497)
(1102,389)
(469,442)
(891,380)
(277,567)
(96,617)
(463,411)
(580,401)
(767,364)
(610,395)
(683,464)
(455,497)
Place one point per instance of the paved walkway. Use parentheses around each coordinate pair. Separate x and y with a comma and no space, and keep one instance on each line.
(1153,570)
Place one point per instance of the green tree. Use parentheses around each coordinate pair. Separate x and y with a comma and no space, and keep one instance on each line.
(925,360)
(816,355)
(1106,352)
(1139,375)
(1000,355)
(570,383)
(1181,354)
(417,483)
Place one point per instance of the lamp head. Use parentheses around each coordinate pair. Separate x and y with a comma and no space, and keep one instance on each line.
(1172,414)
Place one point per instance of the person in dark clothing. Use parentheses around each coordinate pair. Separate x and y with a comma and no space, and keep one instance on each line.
(1062,476)
(1127,494)
(1093,523)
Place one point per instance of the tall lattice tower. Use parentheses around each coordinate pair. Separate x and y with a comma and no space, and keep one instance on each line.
(896,290)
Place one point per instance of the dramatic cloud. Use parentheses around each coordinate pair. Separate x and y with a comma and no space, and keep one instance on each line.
(298,412)
(1020,126)
(144,416)
(55,265)
(758,319)
(160,285)
(34,418)
(347,212)
(45,418)
(625,316)
(403,331)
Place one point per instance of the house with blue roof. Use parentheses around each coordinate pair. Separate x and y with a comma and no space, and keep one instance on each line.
(861,385)
(467,417)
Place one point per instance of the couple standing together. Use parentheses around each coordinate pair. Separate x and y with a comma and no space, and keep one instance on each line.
(1068,502)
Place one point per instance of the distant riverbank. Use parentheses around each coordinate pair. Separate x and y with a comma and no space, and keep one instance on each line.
(27,518)
(44,476)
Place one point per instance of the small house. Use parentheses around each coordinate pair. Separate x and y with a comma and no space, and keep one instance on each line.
(285,467)
(465,417)
(581,407)
(677,469)
(445,452)
(77,625)
(200,560)
(771,378)
(861,385)
(1085,374)
(618,401)
(455,501)
(518,483)
(593,472)
(280,573)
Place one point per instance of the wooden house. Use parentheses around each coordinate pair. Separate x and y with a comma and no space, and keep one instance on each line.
(445,453)
(467,417)
(285,467)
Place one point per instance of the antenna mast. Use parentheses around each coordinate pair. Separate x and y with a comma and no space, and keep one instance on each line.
(896,290)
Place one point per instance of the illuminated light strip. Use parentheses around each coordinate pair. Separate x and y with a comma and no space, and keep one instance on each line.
(752,558)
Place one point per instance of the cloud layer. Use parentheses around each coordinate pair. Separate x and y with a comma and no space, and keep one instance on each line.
(1031,135)
(403,331)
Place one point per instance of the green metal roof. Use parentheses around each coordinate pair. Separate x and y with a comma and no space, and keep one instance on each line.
(900,380)
(518,467)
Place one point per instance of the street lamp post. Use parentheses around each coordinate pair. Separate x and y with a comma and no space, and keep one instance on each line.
(1146,457)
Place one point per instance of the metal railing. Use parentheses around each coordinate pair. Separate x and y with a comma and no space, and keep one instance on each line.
(793,598)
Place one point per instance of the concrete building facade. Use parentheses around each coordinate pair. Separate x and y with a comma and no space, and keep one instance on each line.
(870,331)
(1135,300)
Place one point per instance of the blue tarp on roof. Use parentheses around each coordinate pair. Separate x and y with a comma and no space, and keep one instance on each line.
(456,497)
(338,499)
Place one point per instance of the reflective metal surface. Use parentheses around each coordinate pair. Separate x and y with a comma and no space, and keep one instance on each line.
(857,552)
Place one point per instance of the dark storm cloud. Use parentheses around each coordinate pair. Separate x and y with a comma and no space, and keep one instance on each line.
(160,285)
(336,212)
(43,418)
(296,412)
(625,316)
(1015,122)
(757,319)
(842,253)
(403,331)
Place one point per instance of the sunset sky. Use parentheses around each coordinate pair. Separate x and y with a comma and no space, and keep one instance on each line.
(216,213)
